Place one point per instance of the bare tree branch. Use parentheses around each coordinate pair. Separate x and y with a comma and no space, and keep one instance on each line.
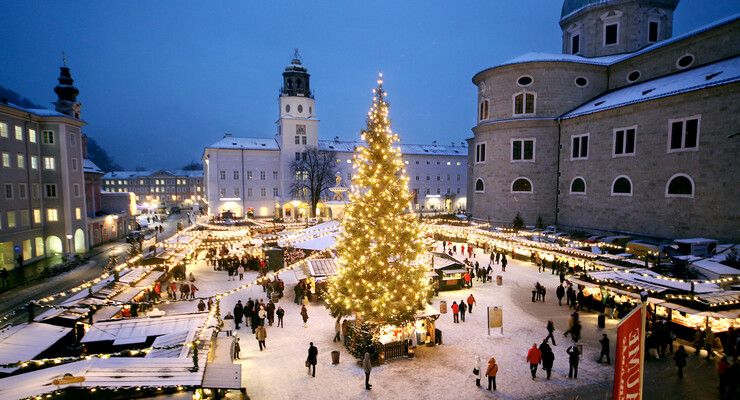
(313,174)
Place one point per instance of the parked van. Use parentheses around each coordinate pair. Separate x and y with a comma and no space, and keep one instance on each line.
(640,249)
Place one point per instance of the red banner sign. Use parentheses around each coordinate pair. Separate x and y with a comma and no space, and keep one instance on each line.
(630,357)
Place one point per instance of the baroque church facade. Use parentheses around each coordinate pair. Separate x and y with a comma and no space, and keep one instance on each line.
(629,130)
(253,177)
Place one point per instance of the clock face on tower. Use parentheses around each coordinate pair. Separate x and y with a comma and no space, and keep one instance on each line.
(300,129)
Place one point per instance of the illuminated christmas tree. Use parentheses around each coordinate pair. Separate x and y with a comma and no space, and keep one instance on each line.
(377,281)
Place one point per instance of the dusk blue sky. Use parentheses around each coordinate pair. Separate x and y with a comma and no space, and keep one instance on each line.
(160,80)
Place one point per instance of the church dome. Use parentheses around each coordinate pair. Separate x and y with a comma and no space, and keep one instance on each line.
(571,6)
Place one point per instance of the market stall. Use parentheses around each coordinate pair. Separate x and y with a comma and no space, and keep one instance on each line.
(449,271)
(399,341)
(314,273)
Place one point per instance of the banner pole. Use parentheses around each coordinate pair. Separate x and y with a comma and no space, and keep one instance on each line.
(642,345)
(488,319)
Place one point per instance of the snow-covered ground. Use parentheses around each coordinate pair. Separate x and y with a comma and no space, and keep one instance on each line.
(440,372)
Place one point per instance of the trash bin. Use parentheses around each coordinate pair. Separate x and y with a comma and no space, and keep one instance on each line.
(499,280)
(335,357)
(602,320)
(275,297)
(443,307)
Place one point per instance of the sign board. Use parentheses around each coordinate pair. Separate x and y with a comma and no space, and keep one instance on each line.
(495,319)
(17,249)
(68,379)
(630,357)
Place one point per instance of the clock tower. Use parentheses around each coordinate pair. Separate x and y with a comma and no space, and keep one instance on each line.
(297,126)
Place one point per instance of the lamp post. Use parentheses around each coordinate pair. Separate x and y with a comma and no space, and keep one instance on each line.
(69,244)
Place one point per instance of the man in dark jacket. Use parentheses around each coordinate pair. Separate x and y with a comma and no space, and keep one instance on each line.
(311,360)
(550,330)
(462,308)
(548,358)
(573,358)
(680,358)
(238,314)
(604,349)
(560,292)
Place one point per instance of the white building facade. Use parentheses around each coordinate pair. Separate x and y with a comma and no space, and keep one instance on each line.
(252,176)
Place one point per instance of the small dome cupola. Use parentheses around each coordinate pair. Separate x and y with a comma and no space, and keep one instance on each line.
(67,93)
(296,79)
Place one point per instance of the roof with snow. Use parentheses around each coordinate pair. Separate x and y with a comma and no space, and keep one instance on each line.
(146,174)
(716,74)
(232,142)
(613,59)
(26,341)
(89,167)
(348,146)
(137,330)
(42,112)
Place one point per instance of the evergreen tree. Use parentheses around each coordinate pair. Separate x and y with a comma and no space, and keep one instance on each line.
(377,281)
(518,223)
(540,224)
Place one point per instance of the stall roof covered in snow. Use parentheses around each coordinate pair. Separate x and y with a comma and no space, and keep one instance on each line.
(716,74)
(322,266)
(138,328)
(650,280)
(26,341)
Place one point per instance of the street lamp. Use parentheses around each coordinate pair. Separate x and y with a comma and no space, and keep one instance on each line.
(69,243)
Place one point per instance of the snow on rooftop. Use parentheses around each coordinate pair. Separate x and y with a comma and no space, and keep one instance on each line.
(26,341)
(143,327)
(233,142)
(89,166)
(716,74)
(145,174)
(348,146)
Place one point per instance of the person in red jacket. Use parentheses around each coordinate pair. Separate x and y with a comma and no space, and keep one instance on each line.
(455,311)
(471,301)
(534,356)
(723,369)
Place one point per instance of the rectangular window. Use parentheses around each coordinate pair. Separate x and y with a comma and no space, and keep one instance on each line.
(417,177)
(624,141)
(275,192)
(458,177)
(48,137)
(52,215)
(297,140)
(74,163)
(35,190)
(24,217)
(524,103)
(263,192)
(8,191)
(448,177)
(72,140)
(22,191)
(575,44)
(236,175)
(522,149)
(18,133)
(222,175)
(684,134)
(428,177)
(303,140)
(249,174)
(50,190)
(11,219)
(611,34)
(429,191)
(262,175)
(49,163)
(297,156)
(653,27)
(249,192)
(579,147)
(37,216)
(236,192)
(34,162)
(275,175)
(480,153)
(6,160)
(76,189)
(32,135)
(439,178)
(223,192)
(458,190)
(78,213)
(21,161)
(3,129)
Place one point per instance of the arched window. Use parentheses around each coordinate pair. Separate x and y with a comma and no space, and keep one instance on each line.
(290,84)
(479,187)
(622,186)
(521,185)
(483,110)
(298,83)
(524,103)
(680,185)
(578,186)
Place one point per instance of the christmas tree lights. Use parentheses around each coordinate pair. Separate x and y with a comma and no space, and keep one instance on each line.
(377,281)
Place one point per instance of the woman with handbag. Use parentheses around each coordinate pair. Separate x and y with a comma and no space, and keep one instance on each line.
(478,370)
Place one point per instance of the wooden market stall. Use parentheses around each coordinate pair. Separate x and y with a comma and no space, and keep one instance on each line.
(449,271)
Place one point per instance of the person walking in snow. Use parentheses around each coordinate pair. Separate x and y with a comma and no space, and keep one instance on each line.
(261,335)
(238,313)
(534,356)
(679,357)
(193,289)
(337,330)
(280,314)
(367,366)
(201,306)
(491,372)
(548,358)
(478,370)
(573,359)
(237,349)
(313,352)
(503,263)
(560,292)
(304,315)
(462,308)
(455,311)
(471,301)
(550,330)
(604,349)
